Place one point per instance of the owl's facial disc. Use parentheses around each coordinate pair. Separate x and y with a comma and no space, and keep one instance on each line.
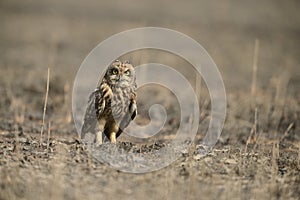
(125,78)
(120,74)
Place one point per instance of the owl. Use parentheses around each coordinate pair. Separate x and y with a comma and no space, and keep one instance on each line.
(112,105)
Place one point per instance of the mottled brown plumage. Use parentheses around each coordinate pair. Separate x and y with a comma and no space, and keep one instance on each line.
(113,103)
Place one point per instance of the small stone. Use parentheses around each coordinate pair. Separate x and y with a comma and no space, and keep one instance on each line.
(22,140)
(198,157)
(184,152)
(26,148)
(230,161)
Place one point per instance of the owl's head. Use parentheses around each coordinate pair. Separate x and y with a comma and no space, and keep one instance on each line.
(120,74)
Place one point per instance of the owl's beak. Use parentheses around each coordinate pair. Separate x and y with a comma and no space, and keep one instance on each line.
(121,79)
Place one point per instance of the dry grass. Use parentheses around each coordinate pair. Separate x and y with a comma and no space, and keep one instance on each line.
(61,168)
(45,107)
(254,74)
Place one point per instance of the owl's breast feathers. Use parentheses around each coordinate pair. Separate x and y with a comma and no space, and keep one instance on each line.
(113,102)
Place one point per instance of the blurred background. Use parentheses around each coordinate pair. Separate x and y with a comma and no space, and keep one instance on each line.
(37,34)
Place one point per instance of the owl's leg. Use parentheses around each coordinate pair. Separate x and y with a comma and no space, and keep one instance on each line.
(99,133)
(112,132)
(99,137)
(113,138)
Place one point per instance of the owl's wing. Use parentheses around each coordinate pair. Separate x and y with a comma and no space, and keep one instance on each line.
(90,118)
(133,109)
(129,116)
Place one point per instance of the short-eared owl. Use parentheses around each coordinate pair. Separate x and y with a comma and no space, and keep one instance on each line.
(113,104)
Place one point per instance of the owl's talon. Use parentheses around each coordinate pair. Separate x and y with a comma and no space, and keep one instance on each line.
(99,138)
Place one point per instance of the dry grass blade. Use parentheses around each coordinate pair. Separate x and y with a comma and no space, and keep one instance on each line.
(48,138)
(253,133)
(45,106)
(286,132)
(299,154)
(254,73)
(274,166)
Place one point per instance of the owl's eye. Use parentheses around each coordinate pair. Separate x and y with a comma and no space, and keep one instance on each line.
(127,73)
(115,71)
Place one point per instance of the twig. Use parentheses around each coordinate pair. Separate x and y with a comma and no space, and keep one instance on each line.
(45,107)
